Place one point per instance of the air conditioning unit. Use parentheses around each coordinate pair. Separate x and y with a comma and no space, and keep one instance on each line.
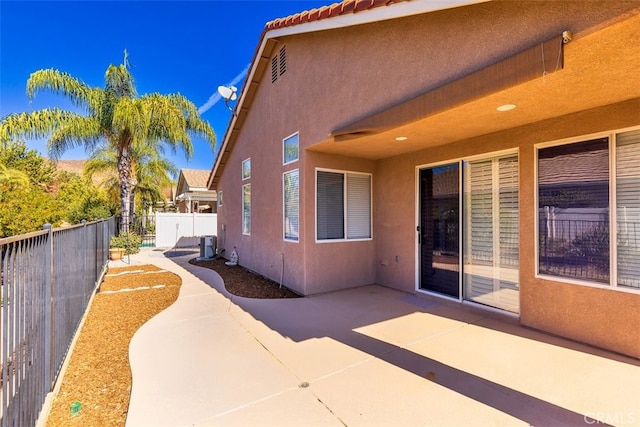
(207,247)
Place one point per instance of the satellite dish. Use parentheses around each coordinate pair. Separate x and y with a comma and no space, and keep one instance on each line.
(228,93)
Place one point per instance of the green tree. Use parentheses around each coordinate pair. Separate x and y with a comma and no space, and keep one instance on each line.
(38,170)
(33,192)
(114,115)
(10,178)
(27,209)
(80,199)
(152,171)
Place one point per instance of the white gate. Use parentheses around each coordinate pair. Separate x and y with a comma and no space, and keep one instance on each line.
(170,227)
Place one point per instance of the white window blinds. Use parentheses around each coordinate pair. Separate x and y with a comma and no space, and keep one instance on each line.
(343,206)
(628,208)
(291,205)
(492,230)
(358,206)
(330,205)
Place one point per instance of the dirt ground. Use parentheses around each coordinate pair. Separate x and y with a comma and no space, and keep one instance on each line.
(99,375)
(245,283)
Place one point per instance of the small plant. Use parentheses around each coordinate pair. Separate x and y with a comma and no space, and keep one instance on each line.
(593,246)
(130,242)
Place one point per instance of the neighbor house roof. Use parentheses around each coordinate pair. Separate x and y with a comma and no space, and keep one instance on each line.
(192,179)
(337,15)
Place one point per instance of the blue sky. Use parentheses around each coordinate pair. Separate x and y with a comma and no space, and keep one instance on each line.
(191,47)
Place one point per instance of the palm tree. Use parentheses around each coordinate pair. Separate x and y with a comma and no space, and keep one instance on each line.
(12,177)
(152,172)
(114,115)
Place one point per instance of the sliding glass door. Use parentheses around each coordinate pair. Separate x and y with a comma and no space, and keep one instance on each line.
(489,232)
(439,229)
(491,228)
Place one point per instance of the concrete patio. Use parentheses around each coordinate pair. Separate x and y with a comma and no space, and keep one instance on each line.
(369,356)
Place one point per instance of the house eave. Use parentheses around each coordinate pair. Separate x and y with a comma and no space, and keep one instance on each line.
(272,31)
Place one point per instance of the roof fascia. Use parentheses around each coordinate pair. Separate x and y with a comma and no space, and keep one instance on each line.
(367,16)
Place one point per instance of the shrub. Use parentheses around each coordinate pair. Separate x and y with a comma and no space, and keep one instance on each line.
(130,242)
(593,246)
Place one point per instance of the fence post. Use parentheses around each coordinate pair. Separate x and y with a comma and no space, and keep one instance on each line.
(48,289)
(85,245)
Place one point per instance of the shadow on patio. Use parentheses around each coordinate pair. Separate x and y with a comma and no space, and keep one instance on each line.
(483,356)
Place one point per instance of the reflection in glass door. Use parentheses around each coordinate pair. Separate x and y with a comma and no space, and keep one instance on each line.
(439,229)
(491,229)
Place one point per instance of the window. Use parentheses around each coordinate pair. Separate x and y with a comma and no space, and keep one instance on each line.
(582,234)
(290,150)
(219,198)
(246,169)
(291,191)
(246,209)
(343,205)
(628,209)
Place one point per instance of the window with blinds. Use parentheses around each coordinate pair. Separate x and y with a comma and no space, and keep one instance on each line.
(246,209)
(343,206)
(589,210)
(628,208)
(291,191)
(358,206)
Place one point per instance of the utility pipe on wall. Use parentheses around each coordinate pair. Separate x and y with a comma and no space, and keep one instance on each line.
(282,269)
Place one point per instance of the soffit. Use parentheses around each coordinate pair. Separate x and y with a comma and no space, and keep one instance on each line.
(600,68)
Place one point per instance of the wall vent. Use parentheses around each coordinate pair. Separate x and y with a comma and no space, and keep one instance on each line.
(274,69)
(279,64)
(283,60)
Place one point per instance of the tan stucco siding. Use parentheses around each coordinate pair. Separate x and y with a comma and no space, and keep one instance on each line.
(265,248)
(336,265)
(597,315)
(339,76)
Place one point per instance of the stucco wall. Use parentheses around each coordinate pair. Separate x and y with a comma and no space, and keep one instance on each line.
(261,140)
(597,315)
(338,76)
(336,265)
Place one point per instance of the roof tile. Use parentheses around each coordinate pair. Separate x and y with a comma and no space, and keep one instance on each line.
(335,10)
(348,6)
(324,12)
(313,15)
(362,5)
(329,11)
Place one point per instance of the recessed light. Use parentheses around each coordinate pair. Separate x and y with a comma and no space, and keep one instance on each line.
(401,138)
(506,107)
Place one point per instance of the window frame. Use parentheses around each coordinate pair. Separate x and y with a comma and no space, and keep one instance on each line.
(219,197)
(284,151)
(246,167)
(345,174)
(246,229)
(284,207)
(612,206)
